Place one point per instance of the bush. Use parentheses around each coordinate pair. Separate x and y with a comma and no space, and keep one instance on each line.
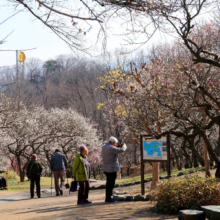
(12,182)
(13,177)
(187,193)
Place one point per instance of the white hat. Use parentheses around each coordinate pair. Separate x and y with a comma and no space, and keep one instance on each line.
(113,139)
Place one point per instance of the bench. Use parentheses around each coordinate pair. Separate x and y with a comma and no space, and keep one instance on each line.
(191,215)
(212,212)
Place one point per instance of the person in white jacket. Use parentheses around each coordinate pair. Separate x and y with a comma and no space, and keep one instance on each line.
(111,165)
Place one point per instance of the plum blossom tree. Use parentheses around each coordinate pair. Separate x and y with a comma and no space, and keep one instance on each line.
(36,130)
(95,160)
(169,94)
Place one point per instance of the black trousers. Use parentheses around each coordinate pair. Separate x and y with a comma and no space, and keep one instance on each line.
(35,179)
(2,182)
(83,192)
(110,183)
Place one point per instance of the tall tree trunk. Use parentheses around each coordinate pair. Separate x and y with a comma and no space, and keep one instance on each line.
(211,153)
(207,161)
(163,166)
(173,162)
(190,161)
(187,165)
(20,169)
(217,148)
(156,168)
(155,176)
(128,170)
(94,173)
(195,160)
(179,163)
(195,152)
(187,159)
(135,155)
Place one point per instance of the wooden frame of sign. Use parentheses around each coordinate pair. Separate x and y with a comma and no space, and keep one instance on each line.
(164,158)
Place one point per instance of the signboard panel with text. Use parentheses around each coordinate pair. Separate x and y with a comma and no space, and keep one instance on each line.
(155,149)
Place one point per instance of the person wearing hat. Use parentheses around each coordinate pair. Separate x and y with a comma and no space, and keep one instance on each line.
(111,165)
(58,166)
(81,172)
(33,171)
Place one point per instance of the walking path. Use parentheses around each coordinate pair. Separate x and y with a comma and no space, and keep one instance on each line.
(9,196)
(64,207)
(19,206)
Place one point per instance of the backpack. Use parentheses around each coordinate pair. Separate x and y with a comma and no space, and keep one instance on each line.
(74,186)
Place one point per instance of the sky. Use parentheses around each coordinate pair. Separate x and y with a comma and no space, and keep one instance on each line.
(28,33)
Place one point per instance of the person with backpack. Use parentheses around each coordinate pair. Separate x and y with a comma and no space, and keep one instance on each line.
(33,171)
(81,172)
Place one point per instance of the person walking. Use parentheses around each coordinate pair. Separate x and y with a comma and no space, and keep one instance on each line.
(58,166)
(81,172)
(33,171)
(111,165)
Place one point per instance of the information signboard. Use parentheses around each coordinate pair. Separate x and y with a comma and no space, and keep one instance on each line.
(155,149)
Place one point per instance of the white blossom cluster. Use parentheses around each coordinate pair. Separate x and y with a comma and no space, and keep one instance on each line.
(25,131)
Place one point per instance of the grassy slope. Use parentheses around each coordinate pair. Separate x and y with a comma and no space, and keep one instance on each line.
(175,171)
(47,180)
(26,184)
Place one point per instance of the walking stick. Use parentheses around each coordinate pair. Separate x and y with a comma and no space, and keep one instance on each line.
(51,182)
(67,185)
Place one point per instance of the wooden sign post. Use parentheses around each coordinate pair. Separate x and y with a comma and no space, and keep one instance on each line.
(6,180)
(154,150)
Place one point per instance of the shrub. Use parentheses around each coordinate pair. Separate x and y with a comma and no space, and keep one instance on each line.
(12,182)
(13,177)
(187,193)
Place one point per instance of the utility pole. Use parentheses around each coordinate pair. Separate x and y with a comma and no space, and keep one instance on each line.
(16,65)
(17,71)
(16,51)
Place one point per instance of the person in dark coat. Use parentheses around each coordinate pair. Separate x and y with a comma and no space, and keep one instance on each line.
(2,180)
(34,170)
(58,166)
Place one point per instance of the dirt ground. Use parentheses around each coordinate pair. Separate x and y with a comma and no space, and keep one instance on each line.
(64,207)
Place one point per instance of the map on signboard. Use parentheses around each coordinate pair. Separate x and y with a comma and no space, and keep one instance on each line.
(155,149)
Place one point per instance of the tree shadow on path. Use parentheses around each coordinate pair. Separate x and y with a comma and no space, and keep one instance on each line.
(100,210)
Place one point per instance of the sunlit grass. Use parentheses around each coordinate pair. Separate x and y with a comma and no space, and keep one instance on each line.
(175,171)
(26,184)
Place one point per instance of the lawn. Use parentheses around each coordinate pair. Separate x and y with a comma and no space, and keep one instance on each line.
(175,171)
(26,184)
